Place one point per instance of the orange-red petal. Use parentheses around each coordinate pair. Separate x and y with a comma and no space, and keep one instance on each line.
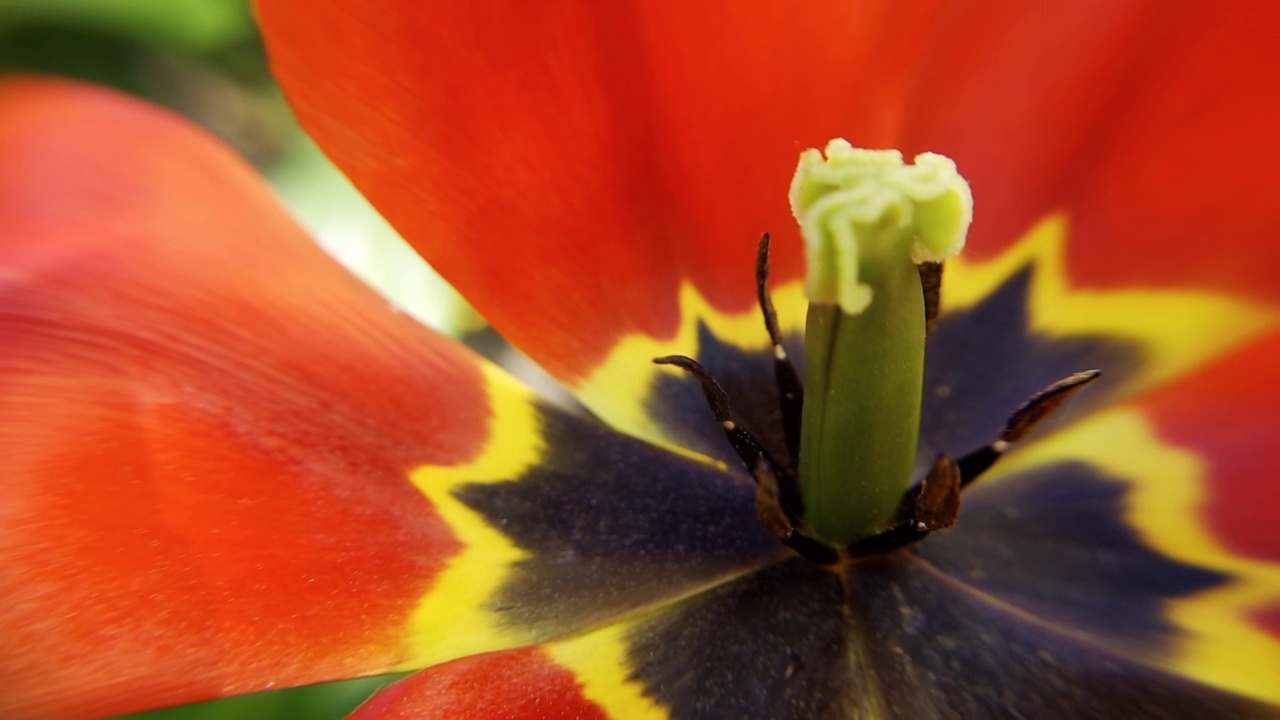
(1150,126)
(522,684)
(1229,414)
(569,165)
(206,426)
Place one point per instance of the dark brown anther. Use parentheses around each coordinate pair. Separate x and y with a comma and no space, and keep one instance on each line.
(1022,422)
(717,398)
(757,460)
(938,503)
(931,284)
(773,517)
(778,503)
(935,502)
(933,505)
(1028,416)
(768,509)
(790,389)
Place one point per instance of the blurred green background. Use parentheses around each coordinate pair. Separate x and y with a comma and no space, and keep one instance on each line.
(203,59)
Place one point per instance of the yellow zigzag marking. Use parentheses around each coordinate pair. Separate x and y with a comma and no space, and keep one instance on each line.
(599,659)
(1179,329)
(1221,646)
(618,389)
(452,621)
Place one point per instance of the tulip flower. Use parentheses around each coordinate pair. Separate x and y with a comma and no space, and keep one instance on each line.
(227,466)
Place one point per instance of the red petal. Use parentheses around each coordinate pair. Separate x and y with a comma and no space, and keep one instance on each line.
(522,684)
(205,425)
(1229,414)
(1270,620)
(1152,126)
(568,165)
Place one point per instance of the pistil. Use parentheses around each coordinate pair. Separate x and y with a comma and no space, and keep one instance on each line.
(867,219)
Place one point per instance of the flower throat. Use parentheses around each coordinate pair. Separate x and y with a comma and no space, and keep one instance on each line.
(876,232)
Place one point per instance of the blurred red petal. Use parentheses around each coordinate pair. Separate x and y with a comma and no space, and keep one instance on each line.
(205,425)
(523,684)
(1152,126)
(1229,414)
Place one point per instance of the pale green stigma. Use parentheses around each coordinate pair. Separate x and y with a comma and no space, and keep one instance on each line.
(858,205)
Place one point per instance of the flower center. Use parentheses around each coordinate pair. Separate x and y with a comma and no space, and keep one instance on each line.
(876,231)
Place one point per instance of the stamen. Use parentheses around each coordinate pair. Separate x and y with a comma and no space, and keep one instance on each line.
(934,504)
(897,536)
(768,507)
(747,447)
(939,501)
(931,284)
(770,513)
(1039,406)
(779,506)
(790,389)
(1024,419)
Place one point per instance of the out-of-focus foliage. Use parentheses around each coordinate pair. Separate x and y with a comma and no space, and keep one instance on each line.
(192,25)
(319,702)
(201,58)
